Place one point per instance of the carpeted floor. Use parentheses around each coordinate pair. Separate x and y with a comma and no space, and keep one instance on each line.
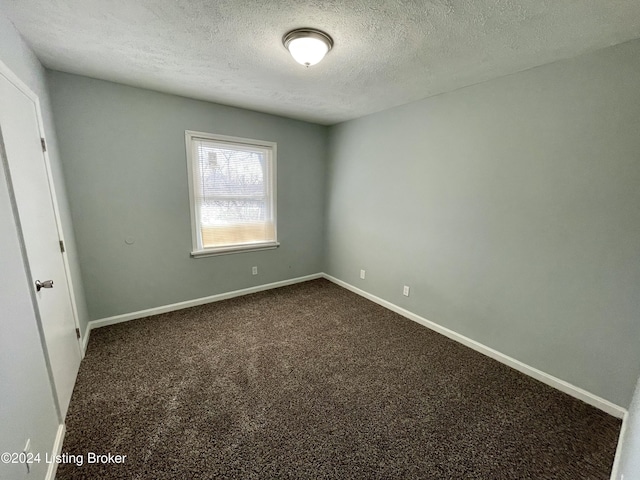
(311,382)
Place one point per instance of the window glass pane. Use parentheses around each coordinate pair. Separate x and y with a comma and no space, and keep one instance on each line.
(229,212)
(233,192)
(231,172)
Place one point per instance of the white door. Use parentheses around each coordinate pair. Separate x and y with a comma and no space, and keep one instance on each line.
(20,133)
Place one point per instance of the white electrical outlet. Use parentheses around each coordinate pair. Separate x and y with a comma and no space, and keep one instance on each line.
(405,291)
(254,270)
(362,274)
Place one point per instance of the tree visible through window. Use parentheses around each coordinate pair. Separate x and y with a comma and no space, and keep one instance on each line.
(232,193)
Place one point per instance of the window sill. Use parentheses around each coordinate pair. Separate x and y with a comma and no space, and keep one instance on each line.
(254,247)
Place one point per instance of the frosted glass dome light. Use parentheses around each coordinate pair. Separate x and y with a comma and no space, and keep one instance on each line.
(307,45)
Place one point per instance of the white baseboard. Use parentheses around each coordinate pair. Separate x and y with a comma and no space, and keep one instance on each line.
(103,322)
(85,340)
(550,380)
(57,450)
(621,439)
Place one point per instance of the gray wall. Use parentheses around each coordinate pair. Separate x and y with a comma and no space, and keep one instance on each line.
(124,158)
(512,209)
(630,453)
(27,408)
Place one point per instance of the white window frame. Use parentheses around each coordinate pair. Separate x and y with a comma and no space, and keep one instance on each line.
(192,168)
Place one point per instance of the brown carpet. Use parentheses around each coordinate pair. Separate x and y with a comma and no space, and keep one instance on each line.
(312,381)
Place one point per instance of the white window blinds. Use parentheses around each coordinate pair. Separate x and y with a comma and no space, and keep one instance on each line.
(233,193)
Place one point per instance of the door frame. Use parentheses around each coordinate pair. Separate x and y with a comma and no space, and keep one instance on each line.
(20,85)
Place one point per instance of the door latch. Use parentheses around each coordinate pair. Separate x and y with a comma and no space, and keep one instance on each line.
(46,284)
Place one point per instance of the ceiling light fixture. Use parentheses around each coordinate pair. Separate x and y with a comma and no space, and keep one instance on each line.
(307,45)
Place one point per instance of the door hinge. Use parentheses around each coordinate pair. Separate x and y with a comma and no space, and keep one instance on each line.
(78,333)
(61,246)
(44,144)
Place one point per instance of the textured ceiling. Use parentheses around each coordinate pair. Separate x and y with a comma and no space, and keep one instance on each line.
(386,52)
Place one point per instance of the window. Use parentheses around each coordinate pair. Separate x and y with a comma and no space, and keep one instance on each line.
(232,187)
